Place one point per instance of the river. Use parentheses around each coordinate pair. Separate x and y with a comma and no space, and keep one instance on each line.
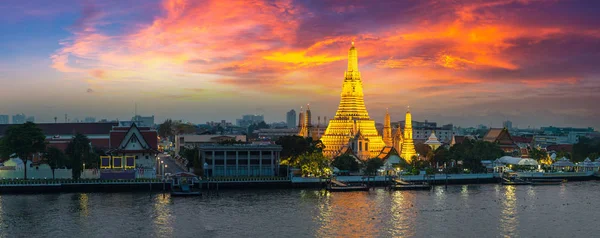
(489,210)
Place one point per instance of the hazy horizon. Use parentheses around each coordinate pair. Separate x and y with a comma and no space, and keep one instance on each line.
(463,62)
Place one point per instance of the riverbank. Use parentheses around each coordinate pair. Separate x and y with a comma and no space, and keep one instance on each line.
(157,185)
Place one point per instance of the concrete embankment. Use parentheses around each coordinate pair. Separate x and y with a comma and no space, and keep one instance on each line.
(82,186)
(264,183)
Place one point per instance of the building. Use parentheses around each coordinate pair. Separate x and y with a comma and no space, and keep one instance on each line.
(30,119)
(240,159)
(507,124)
(422,131)
(136,147)
(193,141)
(291,119)
(19,118)
(248,120)
(274,134)
(408,146)
(143,121)
(433,142)
(89,120)
(352,118)
(503,138)
(59,135)
(4,119)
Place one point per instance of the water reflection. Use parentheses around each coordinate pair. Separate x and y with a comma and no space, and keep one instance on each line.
(83,204)
(162,216)
(348,214)
(508,218)
(403,214)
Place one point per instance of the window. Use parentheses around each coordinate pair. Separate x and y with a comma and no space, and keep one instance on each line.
(133,139)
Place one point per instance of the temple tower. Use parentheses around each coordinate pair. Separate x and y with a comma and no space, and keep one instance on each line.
(351,113)
(387,129)
(408,146)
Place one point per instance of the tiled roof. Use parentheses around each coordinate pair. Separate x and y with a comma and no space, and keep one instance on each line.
(561,147)
(521,139)
(492,134)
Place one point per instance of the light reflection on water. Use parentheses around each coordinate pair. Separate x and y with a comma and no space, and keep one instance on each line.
(162,216)
(455,211)
(508,219)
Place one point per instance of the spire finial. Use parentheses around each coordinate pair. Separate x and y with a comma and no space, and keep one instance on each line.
(352,43)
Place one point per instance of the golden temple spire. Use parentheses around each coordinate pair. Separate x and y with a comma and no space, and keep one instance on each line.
(387,129)
(352,59)
(408,146)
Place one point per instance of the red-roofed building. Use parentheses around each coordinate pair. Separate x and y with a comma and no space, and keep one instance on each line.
(139,142)
(561,147)
(59,135)
(502,138)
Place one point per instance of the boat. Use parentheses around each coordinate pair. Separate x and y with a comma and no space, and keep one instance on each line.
(182,184)
(337,186)
(404,185)
(513,179)
(538,182)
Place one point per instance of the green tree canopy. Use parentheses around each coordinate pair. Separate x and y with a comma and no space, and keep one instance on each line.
(295,146)
(55,158)
(313,164)
(79,151)
(346,162)
(372,165)
(24,141)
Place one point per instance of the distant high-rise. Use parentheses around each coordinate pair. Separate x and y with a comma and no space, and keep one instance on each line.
(507,124)
(89,120)
(143,121)
(3,119)
(291,119)
(248,120)
(18,119)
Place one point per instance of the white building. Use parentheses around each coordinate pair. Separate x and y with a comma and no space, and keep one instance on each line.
(240,159)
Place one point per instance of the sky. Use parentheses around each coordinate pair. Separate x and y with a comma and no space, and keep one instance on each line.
(467,62)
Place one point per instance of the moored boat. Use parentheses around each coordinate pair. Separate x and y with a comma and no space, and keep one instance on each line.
(404,185)
(337,186)
(513,179)
(182,184)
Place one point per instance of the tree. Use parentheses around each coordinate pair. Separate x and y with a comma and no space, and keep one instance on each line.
(346,162)
(79,151)
(422,149)
(24,141)
(540,155)
(313,164)
(373,165)
(55,158)
(165,130)
(193,160)
(295,146)
(440,155)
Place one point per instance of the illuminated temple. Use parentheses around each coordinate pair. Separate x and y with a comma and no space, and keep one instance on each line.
(351,128)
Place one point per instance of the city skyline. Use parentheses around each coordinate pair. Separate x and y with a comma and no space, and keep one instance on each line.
(470,63)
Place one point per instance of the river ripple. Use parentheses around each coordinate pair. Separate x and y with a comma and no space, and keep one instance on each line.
(569,210)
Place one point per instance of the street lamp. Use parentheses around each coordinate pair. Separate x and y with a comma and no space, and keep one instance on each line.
(165,166)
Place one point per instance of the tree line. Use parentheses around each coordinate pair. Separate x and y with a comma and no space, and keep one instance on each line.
(27,140)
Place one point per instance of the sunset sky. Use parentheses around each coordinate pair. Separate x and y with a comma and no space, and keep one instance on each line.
(466,62)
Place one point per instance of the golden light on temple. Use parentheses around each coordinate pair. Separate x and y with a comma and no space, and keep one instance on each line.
(408,146)
(352,119)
